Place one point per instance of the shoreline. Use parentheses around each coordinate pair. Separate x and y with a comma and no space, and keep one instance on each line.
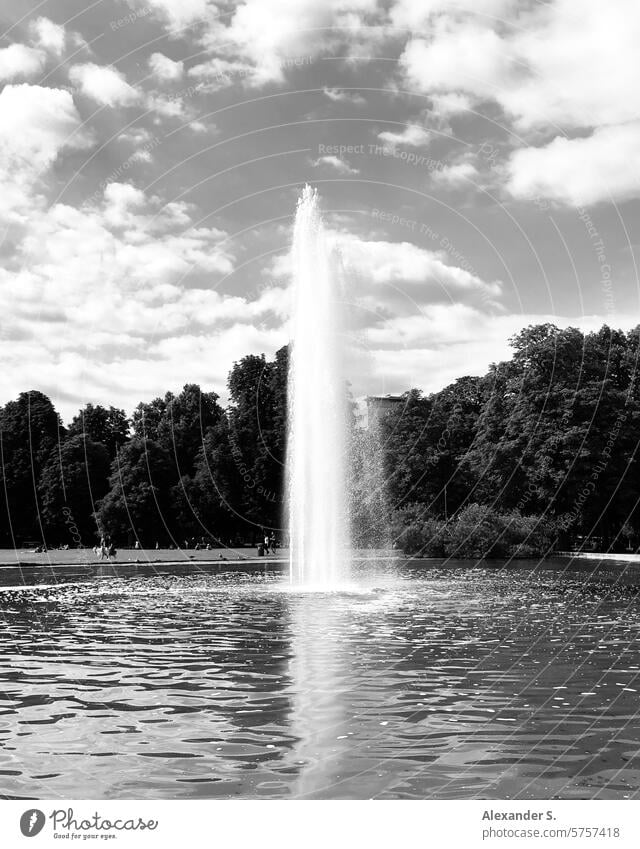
(26,573)
(234,558)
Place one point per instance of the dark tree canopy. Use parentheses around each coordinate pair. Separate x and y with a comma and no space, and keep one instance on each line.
(138,505)
(545,443)
(179,423)
(257,433)
(72,482)
(553,432)
(30,429)
(109,426)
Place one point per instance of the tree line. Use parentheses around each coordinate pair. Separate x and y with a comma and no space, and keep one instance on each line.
(539,452)
(552,433)
(181,467)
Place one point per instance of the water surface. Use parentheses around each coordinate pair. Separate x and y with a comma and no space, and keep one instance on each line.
(430,681)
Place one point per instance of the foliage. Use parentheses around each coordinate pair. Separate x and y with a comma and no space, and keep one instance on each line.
(110,427)
(541,450)
(138,504)
(30,429)
(475,532)
(416,532)
(73,480)
(257,435)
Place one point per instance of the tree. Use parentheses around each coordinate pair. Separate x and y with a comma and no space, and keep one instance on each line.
(257,433)
(179,423)
(29,430)
(209,503)
(74,478)
(426,442)
(139,504)
(110,426)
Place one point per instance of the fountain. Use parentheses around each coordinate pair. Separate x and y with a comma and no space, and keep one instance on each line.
(316,445)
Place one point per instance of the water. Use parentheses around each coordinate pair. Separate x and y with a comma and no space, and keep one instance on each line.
(430,682)
(317,409)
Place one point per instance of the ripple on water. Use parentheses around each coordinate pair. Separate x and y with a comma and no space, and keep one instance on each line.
(450,682)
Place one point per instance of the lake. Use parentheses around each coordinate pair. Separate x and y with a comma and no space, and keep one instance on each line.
(424,680)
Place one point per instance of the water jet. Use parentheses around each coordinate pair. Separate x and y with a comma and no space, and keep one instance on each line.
(317,409)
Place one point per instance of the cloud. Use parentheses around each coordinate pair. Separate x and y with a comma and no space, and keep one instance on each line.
(105,85)
(18,61)
(553,67)
(604,166)
(92,290)
(36,125)
(428,273)
(442,342)
(458,174)
(48,35)
(269,37)
(418,14)
(179,13)
(536,62)
(384,274)
(339,165)
(412,136)
(577,65)
(123,370)
(448,104)
(165,69)
(338,95)
(466,57)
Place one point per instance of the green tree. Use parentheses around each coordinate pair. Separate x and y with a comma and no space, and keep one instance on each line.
(139,503)
(257,433)
(210,501)
(110,426)
(179,423)
(426,442)
(73,480)
(29,430)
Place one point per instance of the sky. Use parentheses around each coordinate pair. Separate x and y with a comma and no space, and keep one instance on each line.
(478,166)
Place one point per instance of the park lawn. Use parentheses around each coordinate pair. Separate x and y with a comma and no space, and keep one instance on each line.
(10,556)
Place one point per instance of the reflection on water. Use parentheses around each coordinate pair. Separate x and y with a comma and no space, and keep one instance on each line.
(447,682)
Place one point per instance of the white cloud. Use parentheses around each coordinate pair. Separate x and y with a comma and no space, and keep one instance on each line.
(417,14)
(405,264)
(552,63)
(103,84)
(164,68)
(36,125)
(92,290)
(48,35)
(339,165)
(413,135)
(179,13)
(338,95)
(468,57)
(553,66)
(121,369)
(450,103)
(442,342)
(577,64)
(580,171)
(272,36)
(221,72)
(384,271)
(18,61)
(458,174)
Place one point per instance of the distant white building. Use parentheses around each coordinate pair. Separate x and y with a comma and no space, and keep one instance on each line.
(379,406)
